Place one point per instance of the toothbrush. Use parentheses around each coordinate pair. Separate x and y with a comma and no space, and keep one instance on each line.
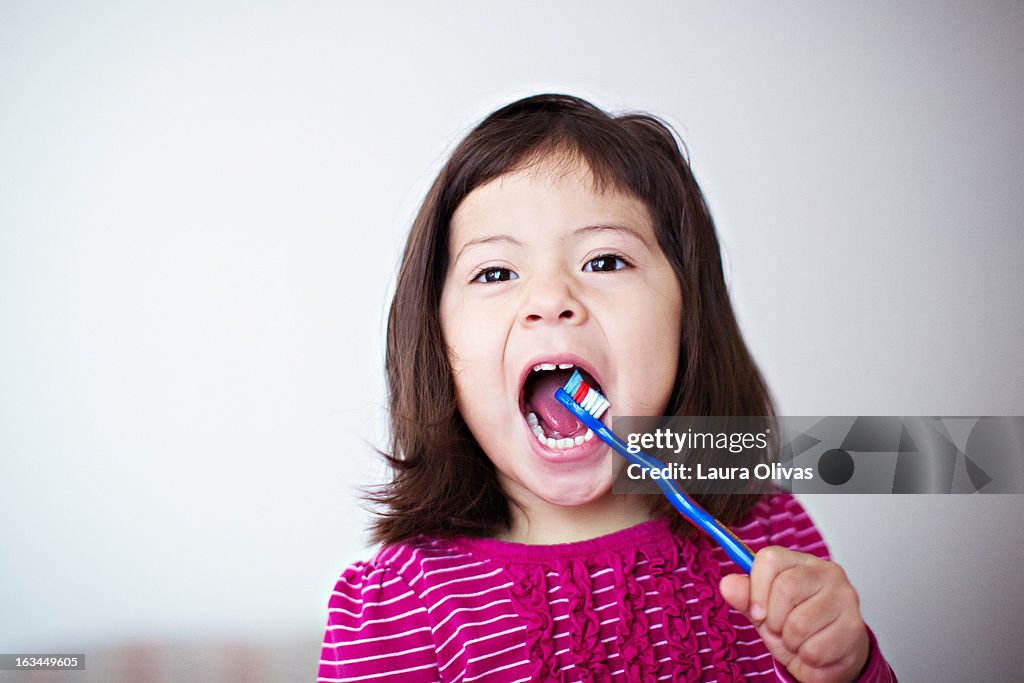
(587,404)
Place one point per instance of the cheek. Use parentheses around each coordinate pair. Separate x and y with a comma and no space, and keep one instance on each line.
(457,334)
(651,378)
(474,331)
(464,325)
(453,333)
(653,317)
(650,346)
(472,351)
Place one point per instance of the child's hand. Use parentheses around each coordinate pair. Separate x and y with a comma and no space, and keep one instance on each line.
(805,611)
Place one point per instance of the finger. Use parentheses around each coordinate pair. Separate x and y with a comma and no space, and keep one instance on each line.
(790,588)
(735,589)
(811,616)
(836,644)
(768,563)
(776,647)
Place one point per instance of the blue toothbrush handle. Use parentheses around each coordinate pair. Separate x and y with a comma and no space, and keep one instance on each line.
(734,547)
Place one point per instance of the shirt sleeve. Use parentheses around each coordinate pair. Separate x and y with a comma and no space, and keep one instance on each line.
(377,630)
(876,669)
(791,527)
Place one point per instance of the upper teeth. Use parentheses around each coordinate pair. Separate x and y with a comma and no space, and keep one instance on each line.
(551,366)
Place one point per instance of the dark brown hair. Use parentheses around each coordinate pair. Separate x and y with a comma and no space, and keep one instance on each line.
(443,482)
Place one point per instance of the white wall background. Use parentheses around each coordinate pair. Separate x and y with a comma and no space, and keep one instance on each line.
(201,211)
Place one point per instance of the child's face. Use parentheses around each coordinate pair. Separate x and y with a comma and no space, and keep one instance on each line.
(538,275)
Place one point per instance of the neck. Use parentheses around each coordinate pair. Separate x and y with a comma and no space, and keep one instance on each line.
(540,523)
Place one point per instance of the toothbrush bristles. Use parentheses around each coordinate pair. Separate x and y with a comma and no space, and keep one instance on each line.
(586,396)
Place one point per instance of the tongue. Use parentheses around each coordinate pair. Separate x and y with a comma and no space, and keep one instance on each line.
(540,398)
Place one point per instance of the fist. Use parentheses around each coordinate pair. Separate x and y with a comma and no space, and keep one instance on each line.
(806,612)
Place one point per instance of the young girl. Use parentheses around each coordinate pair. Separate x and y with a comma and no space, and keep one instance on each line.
(559,237)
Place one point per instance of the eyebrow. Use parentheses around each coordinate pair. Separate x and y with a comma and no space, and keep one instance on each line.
(586,229)
(508,239)
(613,227)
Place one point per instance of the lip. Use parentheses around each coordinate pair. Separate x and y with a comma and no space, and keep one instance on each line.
(588,450)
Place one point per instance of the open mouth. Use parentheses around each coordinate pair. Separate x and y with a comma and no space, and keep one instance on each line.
(553,425)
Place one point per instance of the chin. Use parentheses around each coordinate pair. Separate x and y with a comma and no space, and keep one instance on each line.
(574,493)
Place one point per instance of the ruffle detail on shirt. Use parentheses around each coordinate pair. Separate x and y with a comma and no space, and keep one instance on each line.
(530,598)
(713,610)
(678,629)
(585,647)
(633,631)
(683,581)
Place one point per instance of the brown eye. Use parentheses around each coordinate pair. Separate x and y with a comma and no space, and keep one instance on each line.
(605,263)
(488,275)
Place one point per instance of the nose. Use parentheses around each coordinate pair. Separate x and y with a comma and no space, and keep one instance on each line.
(551,300)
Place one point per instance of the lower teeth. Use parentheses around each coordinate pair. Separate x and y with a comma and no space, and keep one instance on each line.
(563,443)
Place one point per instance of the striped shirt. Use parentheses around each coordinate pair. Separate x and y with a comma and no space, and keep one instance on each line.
(637,604)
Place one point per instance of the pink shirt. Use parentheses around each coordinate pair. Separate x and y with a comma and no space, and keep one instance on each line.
(636,605)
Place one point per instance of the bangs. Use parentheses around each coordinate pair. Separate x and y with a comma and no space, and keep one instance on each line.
(562,156)
(631,154)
